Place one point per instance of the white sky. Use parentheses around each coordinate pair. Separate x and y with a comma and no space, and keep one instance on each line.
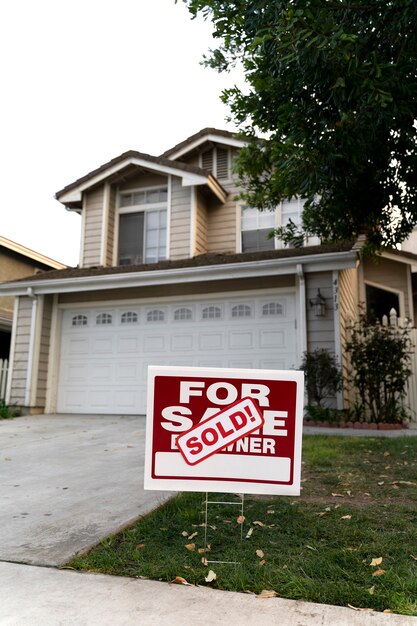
(83,81)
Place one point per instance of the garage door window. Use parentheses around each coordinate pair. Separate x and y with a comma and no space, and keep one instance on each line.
(212,313)
(241,310)
(183,314)
(272,308)
(79,320)
(155,316)
(103,319)
(130,317)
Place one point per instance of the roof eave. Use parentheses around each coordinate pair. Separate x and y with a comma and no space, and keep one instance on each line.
(249,269)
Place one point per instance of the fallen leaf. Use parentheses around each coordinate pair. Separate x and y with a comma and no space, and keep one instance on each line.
(349,493)
(190,547)
(270,512)
(259,523)
(203,550)
(260,554)
(184,533)
(338,495)
(376,562)
(413,557)
(346,517)
(249,534)
(381,483)
(386,453)
(192,536)
(204,560)
(179,580)
(311,548)
(240,519)
(371,590)
(267,593)
(261,563)
(388,611)
(355,608)
(404,482)
(210,576)
(378,572)
(140,545)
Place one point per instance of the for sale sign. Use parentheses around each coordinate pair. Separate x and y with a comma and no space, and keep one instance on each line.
(224,430)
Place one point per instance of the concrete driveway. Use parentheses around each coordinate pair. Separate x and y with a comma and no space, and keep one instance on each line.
(67,481)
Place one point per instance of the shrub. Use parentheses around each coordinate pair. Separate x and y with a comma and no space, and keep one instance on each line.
(323,376)
(380,359)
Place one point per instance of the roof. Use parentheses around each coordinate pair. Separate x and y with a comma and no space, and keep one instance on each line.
(210,266)
(39,259)
(72,193)
(213,134)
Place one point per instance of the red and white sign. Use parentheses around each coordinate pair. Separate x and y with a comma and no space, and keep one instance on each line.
(224,430)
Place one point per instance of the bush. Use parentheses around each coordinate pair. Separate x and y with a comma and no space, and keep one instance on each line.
(6,411)
(380,359)
(323,376)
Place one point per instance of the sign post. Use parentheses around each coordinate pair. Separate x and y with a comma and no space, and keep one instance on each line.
(224,430)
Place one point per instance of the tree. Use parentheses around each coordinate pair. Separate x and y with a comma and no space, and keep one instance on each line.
(332,85)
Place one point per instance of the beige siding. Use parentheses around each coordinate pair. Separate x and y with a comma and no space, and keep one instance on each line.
(386,273)
(180,220)
(19,374)
(348,299)
(146,179)
(111,227)
(93,224)
(201,225)
(44,352)
(113,295)
(222,223)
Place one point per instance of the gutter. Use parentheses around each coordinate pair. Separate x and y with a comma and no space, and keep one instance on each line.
(249,269)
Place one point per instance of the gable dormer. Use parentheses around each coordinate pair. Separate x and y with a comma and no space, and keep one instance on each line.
(140,209)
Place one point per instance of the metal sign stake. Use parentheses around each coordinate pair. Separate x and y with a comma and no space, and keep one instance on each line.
(211,502)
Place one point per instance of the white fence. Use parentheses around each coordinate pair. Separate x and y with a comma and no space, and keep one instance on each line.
(410,401)
(4,370)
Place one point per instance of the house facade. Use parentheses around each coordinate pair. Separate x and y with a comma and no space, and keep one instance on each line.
(17,261)
(176,270)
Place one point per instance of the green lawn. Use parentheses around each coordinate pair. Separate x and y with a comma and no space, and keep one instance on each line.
(350,539)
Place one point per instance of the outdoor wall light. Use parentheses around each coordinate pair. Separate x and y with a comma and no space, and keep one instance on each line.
(319,305)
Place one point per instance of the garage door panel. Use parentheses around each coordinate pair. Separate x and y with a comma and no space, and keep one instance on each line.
(182,342)
(128,344)
(102,345)
(242,340)
(211,341)
(103,367)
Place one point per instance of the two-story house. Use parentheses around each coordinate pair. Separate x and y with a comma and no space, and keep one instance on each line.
(175,269)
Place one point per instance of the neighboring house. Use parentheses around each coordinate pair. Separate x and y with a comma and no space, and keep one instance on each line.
(16,262)
(175,270)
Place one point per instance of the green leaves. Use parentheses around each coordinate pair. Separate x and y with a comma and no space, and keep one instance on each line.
(334,87)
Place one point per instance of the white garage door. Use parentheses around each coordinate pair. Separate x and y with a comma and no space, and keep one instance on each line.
(105,351)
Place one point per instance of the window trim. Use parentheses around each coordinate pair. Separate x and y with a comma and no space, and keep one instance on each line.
(138,208)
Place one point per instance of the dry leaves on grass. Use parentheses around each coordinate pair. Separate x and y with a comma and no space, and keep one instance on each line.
(139,546)
(210,576)
(346,517)
(378,572)
(257,523)
(240,519)
(376,561)
(267,593)
(190,547)
(260,554)
(179,580)
(249,533)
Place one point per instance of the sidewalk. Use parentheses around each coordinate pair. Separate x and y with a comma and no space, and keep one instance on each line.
(38,596)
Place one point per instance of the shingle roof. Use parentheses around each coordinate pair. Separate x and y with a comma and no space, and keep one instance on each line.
(198,261)
(132,154)
(202,133)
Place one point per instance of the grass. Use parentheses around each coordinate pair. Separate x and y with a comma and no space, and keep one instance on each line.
(358,503)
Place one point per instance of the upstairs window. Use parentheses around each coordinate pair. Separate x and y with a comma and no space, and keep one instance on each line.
(256,226)
(143,226)
(217,161)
